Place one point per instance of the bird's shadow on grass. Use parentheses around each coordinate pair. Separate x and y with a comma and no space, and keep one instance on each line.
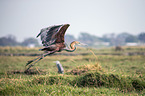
(29,72)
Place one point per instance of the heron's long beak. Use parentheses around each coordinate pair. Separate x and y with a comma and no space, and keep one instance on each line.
(83,44)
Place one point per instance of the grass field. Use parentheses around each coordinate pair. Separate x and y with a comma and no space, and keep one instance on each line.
(88,75)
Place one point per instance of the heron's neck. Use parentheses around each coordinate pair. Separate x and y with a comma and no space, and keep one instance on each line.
(72,47)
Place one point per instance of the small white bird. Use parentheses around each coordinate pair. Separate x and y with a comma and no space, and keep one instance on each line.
(59,66)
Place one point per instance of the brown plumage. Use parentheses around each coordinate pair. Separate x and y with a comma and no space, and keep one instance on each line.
(53,41)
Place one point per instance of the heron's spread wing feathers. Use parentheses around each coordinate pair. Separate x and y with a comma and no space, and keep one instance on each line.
(53,34)
(61,33)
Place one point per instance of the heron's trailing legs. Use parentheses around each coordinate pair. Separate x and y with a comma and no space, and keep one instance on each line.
(33,64)
(36,60)
(29,62)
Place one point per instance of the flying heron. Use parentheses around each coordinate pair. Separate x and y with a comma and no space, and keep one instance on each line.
(53,41)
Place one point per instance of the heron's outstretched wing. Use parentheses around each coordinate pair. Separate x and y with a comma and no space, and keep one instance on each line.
(53,34)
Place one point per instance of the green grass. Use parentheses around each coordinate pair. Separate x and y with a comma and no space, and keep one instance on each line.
(60,90)
(83,75)
(110,50)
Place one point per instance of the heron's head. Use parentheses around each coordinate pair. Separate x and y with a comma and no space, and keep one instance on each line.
(79,43)
(76,42)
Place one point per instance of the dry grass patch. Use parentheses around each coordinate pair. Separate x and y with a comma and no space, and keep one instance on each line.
(85,68)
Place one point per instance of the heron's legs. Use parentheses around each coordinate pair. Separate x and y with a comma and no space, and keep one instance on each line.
(38,59)
(32,64)
(29,62)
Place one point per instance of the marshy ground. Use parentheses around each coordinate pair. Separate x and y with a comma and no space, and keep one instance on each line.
(94,72)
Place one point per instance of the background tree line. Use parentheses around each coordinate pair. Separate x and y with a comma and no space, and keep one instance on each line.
(84,37)
(108,39)
(10,40)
